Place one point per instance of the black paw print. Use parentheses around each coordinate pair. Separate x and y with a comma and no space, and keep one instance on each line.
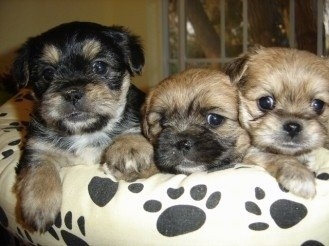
(285,213)
(12,146)
(24,235)
(68,237)
(102,190)
(181,218)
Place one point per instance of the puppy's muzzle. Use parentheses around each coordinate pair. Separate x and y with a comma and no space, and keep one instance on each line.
(292,128)
(73,95)
(184,144)
(195,144)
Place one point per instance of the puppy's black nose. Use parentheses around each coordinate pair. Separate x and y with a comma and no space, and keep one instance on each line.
(292,128)
(184,144)
(73,95)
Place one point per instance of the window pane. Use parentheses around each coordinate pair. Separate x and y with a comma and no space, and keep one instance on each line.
(173,68)
(173,29)
(268,22)
(202,28)
(233,28)
(214,29)
(306,25)
(213,65)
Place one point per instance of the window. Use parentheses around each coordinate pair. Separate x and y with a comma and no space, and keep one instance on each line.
(201,33)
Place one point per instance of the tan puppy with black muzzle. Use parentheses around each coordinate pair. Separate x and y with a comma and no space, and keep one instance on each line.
(284,97)
(191,119)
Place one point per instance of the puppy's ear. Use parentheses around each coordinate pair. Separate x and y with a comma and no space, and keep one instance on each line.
(135,57)
(20,69)
(131,47)
(236,69)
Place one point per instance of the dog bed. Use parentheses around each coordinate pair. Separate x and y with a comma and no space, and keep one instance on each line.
(239,206)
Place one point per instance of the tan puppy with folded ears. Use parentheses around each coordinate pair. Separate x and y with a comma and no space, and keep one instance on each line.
(284,97)
(191,119)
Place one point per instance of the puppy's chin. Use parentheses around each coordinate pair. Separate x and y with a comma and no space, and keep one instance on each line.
(81,123)
(187,168)
(172,162)
(70,122)
(286,148)
(279,145)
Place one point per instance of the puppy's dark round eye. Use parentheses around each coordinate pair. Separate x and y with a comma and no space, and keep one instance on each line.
(317,105)
(100,67)
(266,103)
(214,119)
(48,74)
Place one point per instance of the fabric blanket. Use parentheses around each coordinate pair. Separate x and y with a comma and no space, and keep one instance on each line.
(239,206)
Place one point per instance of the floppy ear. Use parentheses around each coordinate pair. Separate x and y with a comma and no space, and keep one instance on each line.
(131,48)
(236,69)
(20,69)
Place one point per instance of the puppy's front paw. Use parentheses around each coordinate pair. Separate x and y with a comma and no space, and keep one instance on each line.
(298,180)
(130,157)
(39,200)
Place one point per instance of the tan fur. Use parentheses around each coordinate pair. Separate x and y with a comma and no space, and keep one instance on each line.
(91,48)
(294,79)
(208,89)
(33,196)
(186,97)
(51,54)
(133,157)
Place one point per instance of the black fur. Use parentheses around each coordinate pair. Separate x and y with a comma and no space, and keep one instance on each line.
(126,54)
(76,108)
(197,144)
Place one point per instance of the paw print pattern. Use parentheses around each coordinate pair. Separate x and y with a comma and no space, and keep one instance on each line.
(67,236)
(323,176)
(102,190)
(285,213)
(312,243)
(6,153)
(19,126)
(136,187)
(181,219)
(24,235)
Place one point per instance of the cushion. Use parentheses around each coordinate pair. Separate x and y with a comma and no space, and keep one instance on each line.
(239,206)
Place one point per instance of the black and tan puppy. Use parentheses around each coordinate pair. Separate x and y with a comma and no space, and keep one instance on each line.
(80,75)
(191,118)
(284,98)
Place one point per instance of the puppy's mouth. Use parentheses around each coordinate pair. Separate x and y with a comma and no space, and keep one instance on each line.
(292,145)
(188,167)
(190,151)
(288,147)
(77,116)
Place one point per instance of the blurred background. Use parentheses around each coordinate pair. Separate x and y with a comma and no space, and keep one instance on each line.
(213,32)
(176,34)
